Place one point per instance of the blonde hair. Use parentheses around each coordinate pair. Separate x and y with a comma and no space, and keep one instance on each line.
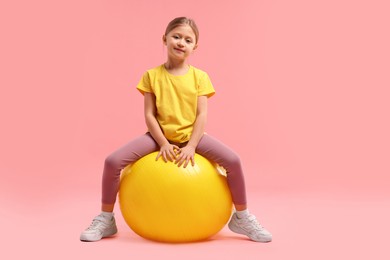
(183,21)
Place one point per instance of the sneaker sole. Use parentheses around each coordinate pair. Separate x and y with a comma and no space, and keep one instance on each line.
(242,232)
(85,238)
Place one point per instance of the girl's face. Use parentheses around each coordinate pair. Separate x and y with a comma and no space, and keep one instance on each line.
(180,42)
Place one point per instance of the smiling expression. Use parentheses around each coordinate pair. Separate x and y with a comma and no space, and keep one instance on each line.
(180,42)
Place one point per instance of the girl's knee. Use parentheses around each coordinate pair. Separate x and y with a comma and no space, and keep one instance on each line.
(112,162)
(235,158)
(232,160)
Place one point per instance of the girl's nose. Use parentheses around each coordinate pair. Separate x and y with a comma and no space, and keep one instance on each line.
(180,43)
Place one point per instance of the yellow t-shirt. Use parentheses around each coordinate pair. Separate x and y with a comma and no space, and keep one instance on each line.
(176,99)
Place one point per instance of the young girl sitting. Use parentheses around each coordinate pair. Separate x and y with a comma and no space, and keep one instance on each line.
(175,107)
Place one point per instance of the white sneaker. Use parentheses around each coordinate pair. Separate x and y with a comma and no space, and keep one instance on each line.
(250,227)
(100,227)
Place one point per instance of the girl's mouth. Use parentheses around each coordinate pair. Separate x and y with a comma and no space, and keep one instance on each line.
(179,50)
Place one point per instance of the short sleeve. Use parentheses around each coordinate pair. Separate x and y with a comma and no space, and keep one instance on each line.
(144,84)
(205,87)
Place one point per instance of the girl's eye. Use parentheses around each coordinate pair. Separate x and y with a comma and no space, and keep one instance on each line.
(176,37)
(189,41)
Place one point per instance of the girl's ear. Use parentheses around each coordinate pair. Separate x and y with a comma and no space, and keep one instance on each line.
(196,46)
(164,38)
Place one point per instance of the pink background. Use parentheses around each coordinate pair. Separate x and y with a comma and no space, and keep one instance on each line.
(302,95)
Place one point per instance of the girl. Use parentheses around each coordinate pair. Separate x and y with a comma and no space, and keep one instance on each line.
(175,108)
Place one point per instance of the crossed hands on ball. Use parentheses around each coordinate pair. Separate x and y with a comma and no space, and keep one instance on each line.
(173,153)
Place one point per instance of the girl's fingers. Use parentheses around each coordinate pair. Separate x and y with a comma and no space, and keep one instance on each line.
(180,163)
(176,148)
(158,155)
(186,163)
(188,160)
(169,156)
(178,158)
(172,154)
(184,160)
(164,157)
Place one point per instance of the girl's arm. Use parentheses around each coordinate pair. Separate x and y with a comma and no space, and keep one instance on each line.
(187,153)
(167,150)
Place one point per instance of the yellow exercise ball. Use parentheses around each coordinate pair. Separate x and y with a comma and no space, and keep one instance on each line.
(163,202)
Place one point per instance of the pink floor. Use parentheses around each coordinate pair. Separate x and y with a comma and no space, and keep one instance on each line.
(315,225)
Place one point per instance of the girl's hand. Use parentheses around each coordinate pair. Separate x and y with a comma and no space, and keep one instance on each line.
(168,152)
(186,154)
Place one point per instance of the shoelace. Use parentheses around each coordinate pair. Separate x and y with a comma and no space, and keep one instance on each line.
(96,223)
(253,223)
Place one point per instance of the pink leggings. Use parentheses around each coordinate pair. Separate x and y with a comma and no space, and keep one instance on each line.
(208,147)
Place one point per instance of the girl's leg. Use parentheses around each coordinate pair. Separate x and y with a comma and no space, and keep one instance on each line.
(216,151)
(119,159)
(241,222)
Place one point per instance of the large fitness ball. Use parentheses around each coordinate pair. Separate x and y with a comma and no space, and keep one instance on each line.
(163,202)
